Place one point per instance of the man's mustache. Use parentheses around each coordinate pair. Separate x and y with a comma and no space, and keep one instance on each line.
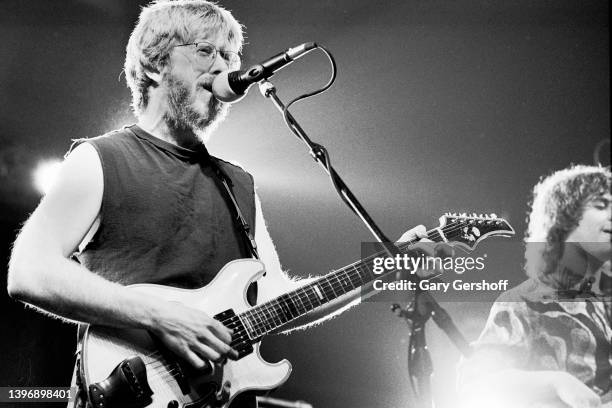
(215,106)
(206,82)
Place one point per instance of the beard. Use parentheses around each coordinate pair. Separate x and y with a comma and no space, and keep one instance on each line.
(181,115)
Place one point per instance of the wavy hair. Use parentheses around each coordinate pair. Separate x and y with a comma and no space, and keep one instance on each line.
(557,208)
(164,24)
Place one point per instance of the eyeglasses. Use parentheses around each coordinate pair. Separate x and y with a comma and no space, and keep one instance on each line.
(208,52)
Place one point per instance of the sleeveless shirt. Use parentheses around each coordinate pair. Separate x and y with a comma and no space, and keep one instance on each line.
(165,217)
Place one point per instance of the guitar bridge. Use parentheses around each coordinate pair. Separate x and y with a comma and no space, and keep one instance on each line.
(126,386)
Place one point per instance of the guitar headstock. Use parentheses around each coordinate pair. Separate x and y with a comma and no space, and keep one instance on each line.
(467,230)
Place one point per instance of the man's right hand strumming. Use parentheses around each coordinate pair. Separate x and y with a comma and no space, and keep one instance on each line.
(193,335)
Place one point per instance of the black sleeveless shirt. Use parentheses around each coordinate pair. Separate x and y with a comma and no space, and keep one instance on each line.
(165,217)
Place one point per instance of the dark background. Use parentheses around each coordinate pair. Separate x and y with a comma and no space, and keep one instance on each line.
(439,106)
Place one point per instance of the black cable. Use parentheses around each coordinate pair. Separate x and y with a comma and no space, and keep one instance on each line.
(319,150)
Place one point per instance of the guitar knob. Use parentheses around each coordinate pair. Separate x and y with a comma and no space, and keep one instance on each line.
(173,404)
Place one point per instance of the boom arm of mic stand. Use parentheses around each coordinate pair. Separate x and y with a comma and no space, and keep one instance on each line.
(268,90)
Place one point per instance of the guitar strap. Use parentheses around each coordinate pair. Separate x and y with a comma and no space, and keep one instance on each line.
(243,225)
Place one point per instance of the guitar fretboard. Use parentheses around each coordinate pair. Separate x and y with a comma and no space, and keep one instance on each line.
(264,318)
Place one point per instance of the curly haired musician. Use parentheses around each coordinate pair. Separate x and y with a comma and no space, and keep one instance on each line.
(548,342)
(146,203)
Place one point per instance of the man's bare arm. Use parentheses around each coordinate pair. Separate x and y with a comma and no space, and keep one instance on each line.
(42,274)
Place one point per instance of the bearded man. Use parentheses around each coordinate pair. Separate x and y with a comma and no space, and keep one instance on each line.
(146,203)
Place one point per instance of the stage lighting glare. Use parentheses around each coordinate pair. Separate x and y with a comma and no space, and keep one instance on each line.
(45,175)
(484,402)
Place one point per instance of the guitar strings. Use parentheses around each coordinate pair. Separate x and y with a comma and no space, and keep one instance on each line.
(227,322)
(260,315)
(257,315)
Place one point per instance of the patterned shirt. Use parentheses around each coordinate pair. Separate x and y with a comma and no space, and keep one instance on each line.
(534,327)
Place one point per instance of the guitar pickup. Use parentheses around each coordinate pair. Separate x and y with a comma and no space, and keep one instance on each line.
(241,341)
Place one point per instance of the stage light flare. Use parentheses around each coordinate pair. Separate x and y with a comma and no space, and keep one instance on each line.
(45,174)
(484,402)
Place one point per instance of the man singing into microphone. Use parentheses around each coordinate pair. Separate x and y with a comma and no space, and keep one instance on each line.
(145,204)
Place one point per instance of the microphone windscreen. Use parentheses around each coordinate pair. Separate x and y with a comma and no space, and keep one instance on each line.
(222,90)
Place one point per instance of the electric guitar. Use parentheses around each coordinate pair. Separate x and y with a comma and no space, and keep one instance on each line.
(129,368)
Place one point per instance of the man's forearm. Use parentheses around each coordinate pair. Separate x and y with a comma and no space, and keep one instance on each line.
(66,289)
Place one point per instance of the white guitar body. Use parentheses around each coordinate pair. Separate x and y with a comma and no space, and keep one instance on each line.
(104,348)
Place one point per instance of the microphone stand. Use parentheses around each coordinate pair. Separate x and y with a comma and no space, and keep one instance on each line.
(423,306)
(420,367)
(268,90)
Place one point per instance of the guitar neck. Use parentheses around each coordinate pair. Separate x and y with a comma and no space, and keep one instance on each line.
(265,318)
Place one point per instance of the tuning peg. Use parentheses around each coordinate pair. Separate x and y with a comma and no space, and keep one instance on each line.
(481,216)
(463,215)
(493,215)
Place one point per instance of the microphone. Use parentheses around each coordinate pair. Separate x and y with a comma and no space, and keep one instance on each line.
(233,86)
